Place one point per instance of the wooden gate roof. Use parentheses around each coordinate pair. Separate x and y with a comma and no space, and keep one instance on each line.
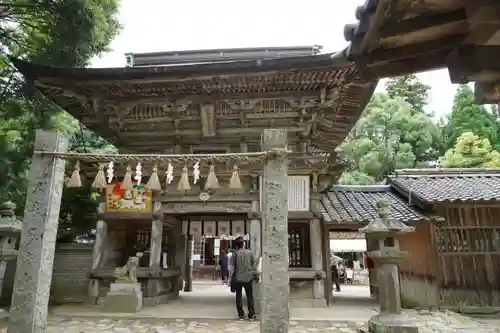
(144,109)
(398,37)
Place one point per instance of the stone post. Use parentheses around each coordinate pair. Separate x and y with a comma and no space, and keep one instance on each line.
(317,263)
(33,277)
(255,241)
(386,260)
(275,313)
(98,252)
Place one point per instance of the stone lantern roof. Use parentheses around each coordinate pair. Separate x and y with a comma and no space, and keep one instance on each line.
(8,221)
(385,224)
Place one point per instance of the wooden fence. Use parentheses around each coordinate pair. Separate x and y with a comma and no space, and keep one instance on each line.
(468,256)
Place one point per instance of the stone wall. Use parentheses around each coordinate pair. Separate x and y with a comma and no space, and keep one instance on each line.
(72,263)
(302,294)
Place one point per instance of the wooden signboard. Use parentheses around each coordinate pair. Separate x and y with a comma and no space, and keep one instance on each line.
(119,200)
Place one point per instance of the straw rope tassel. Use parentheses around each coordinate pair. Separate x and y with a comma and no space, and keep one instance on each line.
(183,185)
(212,182)
(235,181)
(100,178)
(75,180)
(153,183)
(127,179)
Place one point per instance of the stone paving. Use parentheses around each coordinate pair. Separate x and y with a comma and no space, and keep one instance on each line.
(428,322)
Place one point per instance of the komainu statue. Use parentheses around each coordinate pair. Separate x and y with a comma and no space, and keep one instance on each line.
(128,273)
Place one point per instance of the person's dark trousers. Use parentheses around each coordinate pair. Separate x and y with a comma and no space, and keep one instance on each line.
(224,273)
(239,299)
(335,279)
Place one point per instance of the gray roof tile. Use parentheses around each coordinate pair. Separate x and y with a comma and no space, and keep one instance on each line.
(357,204)
(448,185)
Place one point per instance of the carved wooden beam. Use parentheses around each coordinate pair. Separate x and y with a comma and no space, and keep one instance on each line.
(329,97)
(197,132)
(207,113)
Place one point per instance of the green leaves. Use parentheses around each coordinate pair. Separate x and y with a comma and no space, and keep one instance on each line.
(467,116)
(50,32)
(394,132)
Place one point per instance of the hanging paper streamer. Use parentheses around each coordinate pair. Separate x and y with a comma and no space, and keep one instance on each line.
(75,180)
(196,172)
(235,181)
(100,179)
(110,172)
(153,182)
(138,173)
(170,173)
(212,182)
(183,185)
(127,179)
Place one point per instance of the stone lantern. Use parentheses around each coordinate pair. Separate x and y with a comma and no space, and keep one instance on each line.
(10,229)
(386,259)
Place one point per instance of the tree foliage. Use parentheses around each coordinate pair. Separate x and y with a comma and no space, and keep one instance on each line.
(410,89)
(467,116)
(50,32)
(470,151)
(391,134)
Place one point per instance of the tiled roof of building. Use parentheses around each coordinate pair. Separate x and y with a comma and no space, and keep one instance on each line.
(448,185)
(357,205)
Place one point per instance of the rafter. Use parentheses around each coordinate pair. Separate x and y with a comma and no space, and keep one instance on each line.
(407,26)
(484,21)
(380,56)
(131,100)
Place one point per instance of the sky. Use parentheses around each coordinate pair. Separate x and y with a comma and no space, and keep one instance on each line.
(162,25)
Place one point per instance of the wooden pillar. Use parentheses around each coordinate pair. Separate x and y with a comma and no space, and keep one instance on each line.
(328,265)
(30,298)
(275,313)
(372,245)
(98,252)
(188,273)
(317,261)
(256,246)
(256,232)
(155,253)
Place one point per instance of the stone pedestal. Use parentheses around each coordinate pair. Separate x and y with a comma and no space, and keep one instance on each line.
(386,260)
(390,319)
(123,297)
(391,323)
